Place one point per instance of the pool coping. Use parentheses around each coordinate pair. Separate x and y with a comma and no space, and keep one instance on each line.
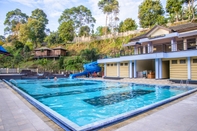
(69,125)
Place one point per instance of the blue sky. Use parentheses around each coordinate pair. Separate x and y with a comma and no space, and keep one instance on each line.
(54,8)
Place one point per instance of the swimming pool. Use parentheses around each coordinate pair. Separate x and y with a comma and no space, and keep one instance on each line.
(86,104)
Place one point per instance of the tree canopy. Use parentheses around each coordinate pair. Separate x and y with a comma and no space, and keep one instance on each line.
(174,7)
(66,31)
(127,25)
(150,13)
(81,16)
(13,19)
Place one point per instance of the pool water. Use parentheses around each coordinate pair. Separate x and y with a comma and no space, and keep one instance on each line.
(86,101)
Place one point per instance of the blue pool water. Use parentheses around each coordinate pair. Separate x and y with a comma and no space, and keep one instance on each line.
(85,101)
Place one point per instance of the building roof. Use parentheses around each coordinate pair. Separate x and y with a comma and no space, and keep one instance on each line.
(58,48)
(178,28)
(184,27)
(42,48)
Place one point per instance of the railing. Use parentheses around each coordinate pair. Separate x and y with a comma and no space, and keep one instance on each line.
(156,48)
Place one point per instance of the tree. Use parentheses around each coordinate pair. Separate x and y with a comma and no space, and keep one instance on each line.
(81,16)
(39,15)
(190,8)
(13,20)
(109,7)
(174,7)
(33,30)
(89,54)
(2,38)
(127,25)
(53,38)
(101,30)
(150,12)
(66,31)
(84,31)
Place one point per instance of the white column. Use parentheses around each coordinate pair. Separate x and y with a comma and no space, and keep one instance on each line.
(118,69)
(144,49)
(156,68)
(135,69)
(184,44)
(130,69)
(173,44)
(150,47)
(160,68)
(105,70)
(189,68)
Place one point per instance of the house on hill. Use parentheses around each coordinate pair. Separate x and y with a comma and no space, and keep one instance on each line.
(45,52)
(161,53)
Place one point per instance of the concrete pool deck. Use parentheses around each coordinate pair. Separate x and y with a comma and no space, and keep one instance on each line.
(16,115)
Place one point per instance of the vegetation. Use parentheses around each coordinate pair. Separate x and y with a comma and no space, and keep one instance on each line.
(151,13)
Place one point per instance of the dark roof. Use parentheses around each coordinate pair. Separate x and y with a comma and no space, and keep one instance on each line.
(187,26)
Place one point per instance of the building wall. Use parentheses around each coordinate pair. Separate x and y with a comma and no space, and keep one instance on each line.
(178,70)
(111,70)
(124,69)
(160,32)
(193,68)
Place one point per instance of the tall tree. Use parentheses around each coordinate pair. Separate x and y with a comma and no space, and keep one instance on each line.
(39,15)
(149,13)
(13,20)
(81,16)
(174,7)
(37,25)
(127,25)
(109,7)
(66,31)
(33,30)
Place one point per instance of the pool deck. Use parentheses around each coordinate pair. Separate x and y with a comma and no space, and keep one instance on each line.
(16,114)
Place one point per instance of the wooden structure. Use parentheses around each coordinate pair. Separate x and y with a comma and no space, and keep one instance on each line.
(45,52)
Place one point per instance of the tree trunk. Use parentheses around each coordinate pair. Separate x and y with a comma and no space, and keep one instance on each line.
(189,8)
(192,6)
(106,24)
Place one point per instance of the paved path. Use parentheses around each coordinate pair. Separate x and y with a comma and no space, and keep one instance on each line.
(181,116)
(16,116)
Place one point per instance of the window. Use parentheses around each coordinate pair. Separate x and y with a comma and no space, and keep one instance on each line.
(126,64)
(182,61)
(111,64)
(121,64)
(174,61)
(107,64)
(115,64)
(194,60)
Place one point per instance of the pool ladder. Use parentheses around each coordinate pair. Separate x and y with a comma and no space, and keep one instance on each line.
(186,82)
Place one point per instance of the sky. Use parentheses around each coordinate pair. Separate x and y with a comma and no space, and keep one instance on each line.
(54,8)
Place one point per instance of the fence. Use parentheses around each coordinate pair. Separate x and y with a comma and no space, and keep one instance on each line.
(18,70)
(108,36)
